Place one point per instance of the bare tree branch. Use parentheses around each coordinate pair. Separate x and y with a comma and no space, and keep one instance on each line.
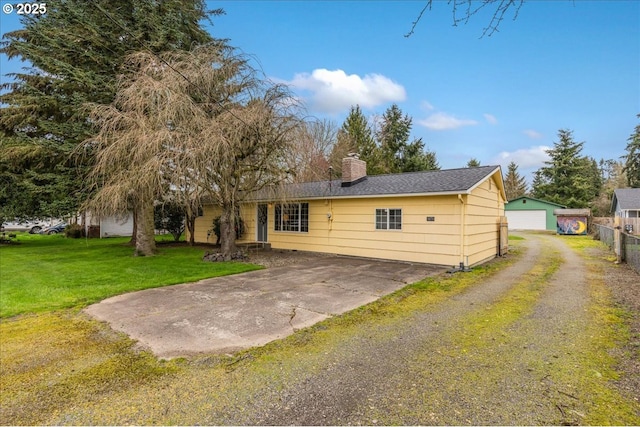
(472,8)
(213,129)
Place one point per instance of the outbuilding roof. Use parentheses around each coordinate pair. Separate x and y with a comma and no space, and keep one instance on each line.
(627,198)
(572,212)
(537,200)
(449,181)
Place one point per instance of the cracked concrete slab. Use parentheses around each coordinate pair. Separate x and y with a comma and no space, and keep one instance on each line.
(227,314)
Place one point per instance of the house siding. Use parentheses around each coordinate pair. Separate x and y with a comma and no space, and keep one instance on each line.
(114,226)
(443,229)
(204,224)
(110,226)
(485,207)
(351,228)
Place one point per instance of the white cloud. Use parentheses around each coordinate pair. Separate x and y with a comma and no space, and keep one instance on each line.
(525,158)
(491,119)
(444,121)
(333,91)
(427,106)
(532,134)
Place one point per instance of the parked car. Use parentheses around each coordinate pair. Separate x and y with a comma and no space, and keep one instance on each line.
(32,227)
(54,229)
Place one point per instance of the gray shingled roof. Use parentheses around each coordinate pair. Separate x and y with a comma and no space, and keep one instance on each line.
(429,182)
(628,198)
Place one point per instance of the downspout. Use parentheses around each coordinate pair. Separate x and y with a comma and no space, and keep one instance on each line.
(463,215)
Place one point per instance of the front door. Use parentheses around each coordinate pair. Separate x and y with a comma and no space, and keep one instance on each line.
(262,222)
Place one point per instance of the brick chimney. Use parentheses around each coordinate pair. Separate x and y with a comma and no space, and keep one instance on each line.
(354,170)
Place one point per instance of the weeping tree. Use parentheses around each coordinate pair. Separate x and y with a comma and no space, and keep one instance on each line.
(72,54)
(197,124)
(250,146)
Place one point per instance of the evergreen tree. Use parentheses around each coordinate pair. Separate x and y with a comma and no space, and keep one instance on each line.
(632,159)
(224,135)
(392,135)
(568,179)
(515,185)
(75,52)
(356,136)
(416,159)
(397,154)
(473,163)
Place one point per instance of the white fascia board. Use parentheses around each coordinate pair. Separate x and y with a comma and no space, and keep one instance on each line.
(366,196)
(488,176)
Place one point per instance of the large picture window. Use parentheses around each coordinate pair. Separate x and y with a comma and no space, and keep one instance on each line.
(388,219)
(292,217)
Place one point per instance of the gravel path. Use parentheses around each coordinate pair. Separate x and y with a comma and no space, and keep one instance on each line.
(435,365)
(515,349)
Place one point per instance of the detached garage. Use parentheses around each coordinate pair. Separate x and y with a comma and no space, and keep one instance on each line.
(527,213)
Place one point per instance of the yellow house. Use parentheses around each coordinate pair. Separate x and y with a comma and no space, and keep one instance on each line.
(448,217)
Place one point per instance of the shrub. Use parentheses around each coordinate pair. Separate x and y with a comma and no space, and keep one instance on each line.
(170,217)
(75,231)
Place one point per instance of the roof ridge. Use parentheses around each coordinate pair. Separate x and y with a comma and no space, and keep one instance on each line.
(406,173)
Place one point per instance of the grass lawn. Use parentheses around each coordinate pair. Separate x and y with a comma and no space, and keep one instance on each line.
(44,273)
(60,367)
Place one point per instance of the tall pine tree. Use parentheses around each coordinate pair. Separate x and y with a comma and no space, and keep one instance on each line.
(515,185)
(356,136)
(75,52)
(396,152)
(632,159)
(387,150)
(569,178)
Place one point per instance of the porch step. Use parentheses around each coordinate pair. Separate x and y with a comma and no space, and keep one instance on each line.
(255,246)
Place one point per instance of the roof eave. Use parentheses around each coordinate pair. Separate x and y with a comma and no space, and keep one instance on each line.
(497,170)
(370,196)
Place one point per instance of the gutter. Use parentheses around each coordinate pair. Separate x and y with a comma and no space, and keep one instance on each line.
(463,216)
(461,268)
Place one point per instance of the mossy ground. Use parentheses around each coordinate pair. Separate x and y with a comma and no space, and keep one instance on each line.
(64,368)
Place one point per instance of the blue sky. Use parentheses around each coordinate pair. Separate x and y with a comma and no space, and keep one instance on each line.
(560,64)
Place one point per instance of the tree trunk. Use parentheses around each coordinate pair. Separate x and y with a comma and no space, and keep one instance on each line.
(190,221)
(145,237)
(134,232)
(227,233)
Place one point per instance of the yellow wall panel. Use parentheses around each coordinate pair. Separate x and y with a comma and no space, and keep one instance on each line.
(351,228)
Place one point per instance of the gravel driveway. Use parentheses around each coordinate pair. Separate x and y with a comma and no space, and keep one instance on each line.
(514,349)
(436,365)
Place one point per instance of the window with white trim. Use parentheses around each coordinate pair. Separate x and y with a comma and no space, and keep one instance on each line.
(292,217)
(388,219)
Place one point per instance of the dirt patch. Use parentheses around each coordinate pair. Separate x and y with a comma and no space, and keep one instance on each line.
(624,284)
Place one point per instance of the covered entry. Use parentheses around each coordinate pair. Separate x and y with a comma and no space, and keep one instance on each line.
(262,221)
